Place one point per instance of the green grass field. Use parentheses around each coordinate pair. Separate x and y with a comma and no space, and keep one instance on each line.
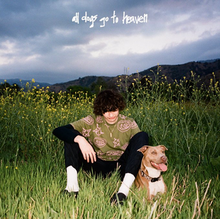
(32,166)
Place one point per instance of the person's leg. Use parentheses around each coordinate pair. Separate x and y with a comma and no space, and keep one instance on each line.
(130,163)
(130,160)
(100,167)
(73,162)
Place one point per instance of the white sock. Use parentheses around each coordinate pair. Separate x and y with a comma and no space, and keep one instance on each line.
(72,180)
(126,183)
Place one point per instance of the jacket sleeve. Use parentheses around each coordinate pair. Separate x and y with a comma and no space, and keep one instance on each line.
(66,133)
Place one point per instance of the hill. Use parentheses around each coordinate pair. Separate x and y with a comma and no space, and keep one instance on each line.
(84,82)
(203,69)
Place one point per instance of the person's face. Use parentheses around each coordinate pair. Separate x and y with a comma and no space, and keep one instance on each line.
(111,117)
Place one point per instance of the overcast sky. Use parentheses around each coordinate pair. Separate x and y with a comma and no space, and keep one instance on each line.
(53,41)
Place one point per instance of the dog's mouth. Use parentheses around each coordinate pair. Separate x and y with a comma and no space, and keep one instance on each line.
(159,166)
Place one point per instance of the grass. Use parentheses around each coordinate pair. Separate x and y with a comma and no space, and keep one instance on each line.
(32,163)
(34,190)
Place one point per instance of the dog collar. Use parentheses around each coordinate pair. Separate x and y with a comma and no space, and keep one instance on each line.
(143,174)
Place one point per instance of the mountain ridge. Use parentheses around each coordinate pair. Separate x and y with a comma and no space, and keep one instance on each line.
(203,69)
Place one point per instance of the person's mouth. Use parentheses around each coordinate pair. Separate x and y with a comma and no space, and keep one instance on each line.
(112,118)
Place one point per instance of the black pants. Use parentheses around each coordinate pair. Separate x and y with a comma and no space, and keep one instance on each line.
(129,162)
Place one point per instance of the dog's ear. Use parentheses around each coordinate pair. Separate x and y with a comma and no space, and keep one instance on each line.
(143,149)
(164,147)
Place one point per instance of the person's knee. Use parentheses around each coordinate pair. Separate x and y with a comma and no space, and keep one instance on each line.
(71,149)
(141,136)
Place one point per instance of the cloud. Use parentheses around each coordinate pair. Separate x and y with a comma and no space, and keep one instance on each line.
(39,40)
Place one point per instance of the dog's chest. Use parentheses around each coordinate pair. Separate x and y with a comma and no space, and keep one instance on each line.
(156,187)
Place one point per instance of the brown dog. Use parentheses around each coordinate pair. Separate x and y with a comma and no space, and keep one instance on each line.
(153,163)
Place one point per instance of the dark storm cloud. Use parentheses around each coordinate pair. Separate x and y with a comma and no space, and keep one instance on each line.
(39,40)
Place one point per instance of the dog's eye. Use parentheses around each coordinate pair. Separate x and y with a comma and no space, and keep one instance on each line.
(154,152)
(163,152)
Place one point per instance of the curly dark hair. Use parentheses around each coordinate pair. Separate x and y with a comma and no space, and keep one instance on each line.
(107,101)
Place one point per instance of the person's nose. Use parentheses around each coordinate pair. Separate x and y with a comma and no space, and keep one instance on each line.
(110,114)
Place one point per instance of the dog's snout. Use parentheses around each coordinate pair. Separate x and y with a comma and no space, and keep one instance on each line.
(164,158)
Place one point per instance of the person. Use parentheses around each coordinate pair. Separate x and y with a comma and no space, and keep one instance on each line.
(102,143)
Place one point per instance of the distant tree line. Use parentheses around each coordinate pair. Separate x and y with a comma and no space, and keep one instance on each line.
(184,90)
(9,89)
(95,87)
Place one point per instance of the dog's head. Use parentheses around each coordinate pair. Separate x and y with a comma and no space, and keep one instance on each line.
(154,156)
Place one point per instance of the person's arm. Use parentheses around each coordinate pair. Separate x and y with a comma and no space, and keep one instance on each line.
(86,149)
(66,133)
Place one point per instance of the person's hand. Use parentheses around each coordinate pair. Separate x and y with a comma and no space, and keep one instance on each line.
(86,149)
